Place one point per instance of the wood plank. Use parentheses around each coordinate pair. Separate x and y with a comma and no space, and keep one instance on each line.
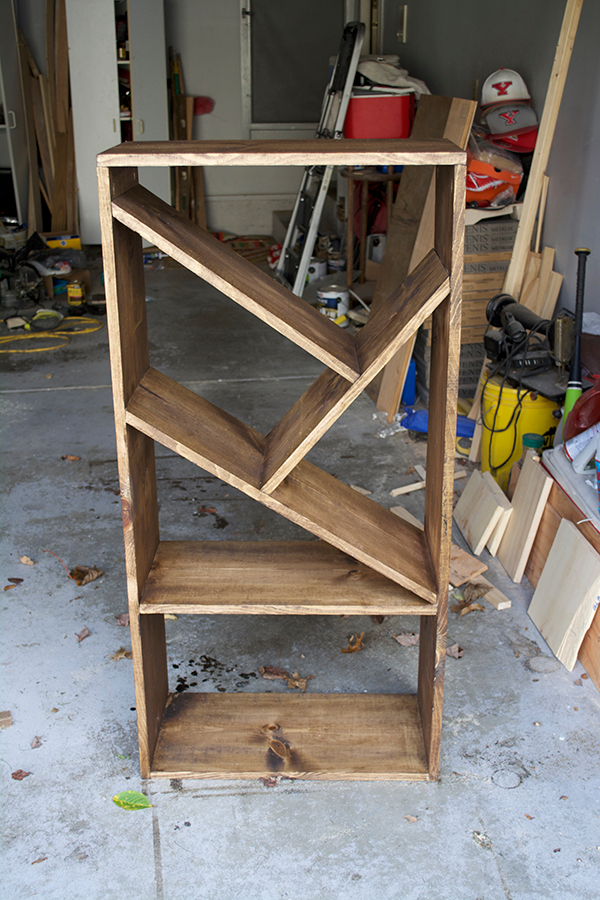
(543,542)
(494,595)
(318,502)
(463,567)
(546,264)
(312,736)
(589,652)
(41,134)
(412,231)
(543,145)
(500,256)
(477,512)
(314,152)
(550,297)
(529,499)
(270,578)
(61,67)
(34,216)
(127,328)
(50,73)
(59,195)
(239,279)
(327,398)
(567,594)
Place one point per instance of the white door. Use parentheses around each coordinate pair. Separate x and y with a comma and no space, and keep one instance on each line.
(13,139)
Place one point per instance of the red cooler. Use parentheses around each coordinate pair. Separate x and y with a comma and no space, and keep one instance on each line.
(379,115)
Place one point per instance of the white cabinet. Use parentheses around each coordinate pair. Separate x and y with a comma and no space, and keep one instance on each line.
(93,64)
(13,139)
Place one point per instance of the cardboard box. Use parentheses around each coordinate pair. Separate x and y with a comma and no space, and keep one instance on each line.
(82,275)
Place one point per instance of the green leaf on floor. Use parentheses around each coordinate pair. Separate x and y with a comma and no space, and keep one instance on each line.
(131,800)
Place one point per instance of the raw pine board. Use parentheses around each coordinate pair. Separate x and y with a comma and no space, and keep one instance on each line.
(528,502)
(312,736)
(478,511)
(567,594)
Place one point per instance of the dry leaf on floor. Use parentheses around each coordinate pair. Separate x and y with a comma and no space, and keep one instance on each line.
(83,634)
(471,607)
(122,653)
(411,819)
(70,457)
(84,574)
(272,673)
(19,775)
(529,817)
(36,743)
(207,509)
(42,858)
(123,619)
(9,587)
(361,490)
(271,782)
(26,561)
(407,639)
(455,651)
(355,643)
(473,591)
(15,580)
(297,682)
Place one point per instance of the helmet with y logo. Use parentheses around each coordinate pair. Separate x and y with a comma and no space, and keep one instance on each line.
(513,126)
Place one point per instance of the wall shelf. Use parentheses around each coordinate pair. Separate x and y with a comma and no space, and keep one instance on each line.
(368,560)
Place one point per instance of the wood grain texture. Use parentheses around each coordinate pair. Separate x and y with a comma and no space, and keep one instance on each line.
(589,652)
(243,282)
(312,736)
(412,229)
(529,499)
(231,450)
(327,398)
(494,594)
(541,154)
(568,593)
(127,328)
(479,510)
(270,578)
(284,153)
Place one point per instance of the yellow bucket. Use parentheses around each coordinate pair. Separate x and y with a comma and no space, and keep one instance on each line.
(507,414)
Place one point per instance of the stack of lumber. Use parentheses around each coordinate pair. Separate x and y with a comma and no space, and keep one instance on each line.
(49,128)
(188,180)
(541,285)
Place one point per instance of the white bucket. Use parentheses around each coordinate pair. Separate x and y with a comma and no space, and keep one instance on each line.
(317,269)
(336,265)
(335,298)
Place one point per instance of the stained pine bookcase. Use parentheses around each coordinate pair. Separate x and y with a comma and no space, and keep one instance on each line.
(369,561)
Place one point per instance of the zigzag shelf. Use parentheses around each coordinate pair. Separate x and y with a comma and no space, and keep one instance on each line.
(369,561)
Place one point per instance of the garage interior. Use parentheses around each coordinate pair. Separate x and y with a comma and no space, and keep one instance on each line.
(514,810)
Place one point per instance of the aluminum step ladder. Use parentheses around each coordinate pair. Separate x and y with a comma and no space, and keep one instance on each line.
(297,250)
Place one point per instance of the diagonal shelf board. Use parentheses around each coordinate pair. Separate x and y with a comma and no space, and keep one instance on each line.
(315,152)
(333,736)
(323,403)
(237,278)
(222,445)
(270,578)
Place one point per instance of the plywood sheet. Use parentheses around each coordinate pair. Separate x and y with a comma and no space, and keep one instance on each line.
(568,593)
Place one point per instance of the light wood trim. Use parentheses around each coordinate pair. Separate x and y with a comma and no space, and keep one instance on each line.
(543,145)
(327,398)
(270,578)
(284,153)
(243,282)
(311,736)
(528,502)
(225,447)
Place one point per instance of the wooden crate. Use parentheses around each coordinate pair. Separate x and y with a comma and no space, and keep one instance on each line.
(370,562)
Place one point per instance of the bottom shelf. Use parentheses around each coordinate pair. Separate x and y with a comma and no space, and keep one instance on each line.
(316,736)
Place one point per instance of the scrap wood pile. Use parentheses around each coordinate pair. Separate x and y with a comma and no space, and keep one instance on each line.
(49,129)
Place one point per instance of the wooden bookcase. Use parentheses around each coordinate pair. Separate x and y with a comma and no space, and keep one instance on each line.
(369,561)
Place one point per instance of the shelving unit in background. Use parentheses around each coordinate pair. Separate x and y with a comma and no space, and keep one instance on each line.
(370,562)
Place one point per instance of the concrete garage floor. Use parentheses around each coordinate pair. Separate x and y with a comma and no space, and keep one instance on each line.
(516,812)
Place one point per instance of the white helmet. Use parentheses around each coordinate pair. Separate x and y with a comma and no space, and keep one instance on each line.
(503,86)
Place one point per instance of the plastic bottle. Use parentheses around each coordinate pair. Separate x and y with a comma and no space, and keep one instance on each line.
(574,447)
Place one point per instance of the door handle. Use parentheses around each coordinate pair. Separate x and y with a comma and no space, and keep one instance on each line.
(140,126)
(11,114)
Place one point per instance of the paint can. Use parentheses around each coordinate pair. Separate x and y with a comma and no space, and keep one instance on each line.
(317,269)
(336,297)
(335,265)
(76,293)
